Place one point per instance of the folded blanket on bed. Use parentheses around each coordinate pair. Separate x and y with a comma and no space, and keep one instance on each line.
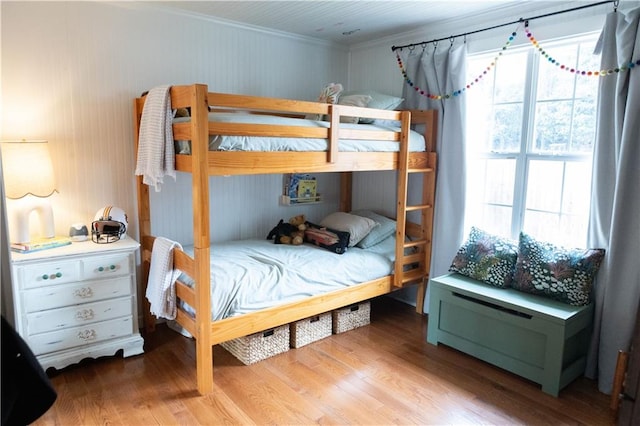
(161,289)
(156,155)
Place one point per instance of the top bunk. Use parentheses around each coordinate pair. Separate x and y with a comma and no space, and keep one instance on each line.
(238,135)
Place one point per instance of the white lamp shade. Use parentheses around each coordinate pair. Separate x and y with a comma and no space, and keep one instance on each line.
(27,169)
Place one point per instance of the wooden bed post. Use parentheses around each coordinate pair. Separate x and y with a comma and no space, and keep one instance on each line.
(346,185)
(201,235)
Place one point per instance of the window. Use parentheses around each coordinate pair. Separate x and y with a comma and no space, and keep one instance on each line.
(530,134)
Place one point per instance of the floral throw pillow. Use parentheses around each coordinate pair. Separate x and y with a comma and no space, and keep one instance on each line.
(487,258)
(562,274)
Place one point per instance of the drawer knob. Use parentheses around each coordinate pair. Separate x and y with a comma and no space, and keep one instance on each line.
(87,335)
(52,276)
(85,314)
(110,267)
(84,292)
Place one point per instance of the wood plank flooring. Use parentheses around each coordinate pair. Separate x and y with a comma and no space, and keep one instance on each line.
(384,373)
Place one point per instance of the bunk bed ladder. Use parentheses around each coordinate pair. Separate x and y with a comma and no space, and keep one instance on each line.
(413,237)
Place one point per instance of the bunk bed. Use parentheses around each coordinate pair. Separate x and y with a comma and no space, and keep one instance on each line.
(412,238)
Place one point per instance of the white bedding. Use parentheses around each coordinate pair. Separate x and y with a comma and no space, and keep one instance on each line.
(250,275)
(259,143)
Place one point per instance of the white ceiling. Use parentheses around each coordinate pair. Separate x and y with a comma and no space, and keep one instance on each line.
(356,21)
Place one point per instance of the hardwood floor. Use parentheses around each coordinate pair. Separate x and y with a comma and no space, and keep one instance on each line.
(384,373)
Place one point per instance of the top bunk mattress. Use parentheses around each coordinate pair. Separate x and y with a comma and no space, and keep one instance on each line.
(264,143)
(250,275)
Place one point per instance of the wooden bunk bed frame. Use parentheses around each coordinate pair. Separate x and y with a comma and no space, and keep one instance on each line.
(409,269)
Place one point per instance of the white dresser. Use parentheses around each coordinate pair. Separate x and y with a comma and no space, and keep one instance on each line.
(77,301)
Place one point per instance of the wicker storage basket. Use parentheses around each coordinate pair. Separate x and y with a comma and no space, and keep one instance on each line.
(350,317)
(310,329)
(258,346)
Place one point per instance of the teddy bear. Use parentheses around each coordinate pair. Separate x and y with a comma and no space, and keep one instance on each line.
(291,232)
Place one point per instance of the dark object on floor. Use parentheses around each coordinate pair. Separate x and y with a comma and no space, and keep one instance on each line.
(27,392)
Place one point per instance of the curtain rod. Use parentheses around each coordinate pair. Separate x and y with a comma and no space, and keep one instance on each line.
(451,38)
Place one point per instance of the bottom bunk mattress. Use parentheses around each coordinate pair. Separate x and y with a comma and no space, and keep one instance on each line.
(250,275)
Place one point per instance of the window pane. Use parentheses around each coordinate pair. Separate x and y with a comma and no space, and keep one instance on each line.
(478,126)
(586,86)
(484,87)
(495,220)
(558,196)
(543,226)
(552,128)
(554,83)
(563,230)
(490,194)
(577,188)
(507,128)
(572,231)
(511,74)
(566,101)
(498,181)
(584,127)
(543,189)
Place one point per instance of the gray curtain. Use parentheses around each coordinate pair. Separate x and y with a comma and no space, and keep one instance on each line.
(615,208)
(441,69)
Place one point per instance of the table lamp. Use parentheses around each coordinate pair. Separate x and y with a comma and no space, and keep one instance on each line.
(28,182)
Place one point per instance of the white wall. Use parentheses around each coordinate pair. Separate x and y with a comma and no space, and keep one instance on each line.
(70,71)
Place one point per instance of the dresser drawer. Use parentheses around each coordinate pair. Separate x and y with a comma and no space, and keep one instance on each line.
(79,336)
(107,266)
(49,273)
(73,294)
(73,316)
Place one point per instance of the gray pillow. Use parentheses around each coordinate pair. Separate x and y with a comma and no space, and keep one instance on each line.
(385,229)
(357,226)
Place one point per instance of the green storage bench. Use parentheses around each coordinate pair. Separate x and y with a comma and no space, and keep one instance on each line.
(537,338)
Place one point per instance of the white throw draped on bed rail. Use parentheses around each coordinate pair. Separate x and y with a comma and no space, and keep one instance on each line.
(156,155)
(161,290)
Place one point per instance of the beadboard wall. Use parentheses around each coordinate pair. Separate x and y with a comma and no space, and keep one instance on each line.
(70,71)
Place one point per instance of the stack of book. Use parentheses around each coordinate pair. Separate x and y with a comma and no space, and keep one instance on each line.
(40,244)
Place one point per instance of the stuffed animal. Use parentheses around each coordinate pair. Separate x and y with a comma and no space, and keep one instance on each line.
(289,233)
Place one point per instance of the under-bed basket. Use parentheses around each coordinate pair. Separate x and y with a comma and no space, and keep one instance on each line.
(350,317)
(310,329)
(258,346)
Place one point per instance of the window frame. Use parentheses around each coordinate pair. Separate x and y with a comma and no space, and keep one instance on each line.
(526,152)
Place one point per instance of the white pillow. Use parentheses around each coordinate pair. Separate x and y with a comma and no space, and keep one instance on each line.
(353,100)
(358,227)
(378,101)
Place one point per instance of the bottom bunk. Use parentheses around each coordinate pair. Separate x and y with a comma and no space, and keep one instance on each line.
(257,285)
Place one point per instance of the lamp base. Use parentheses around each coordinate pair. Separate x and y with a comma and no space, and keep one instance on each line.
(19,214)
